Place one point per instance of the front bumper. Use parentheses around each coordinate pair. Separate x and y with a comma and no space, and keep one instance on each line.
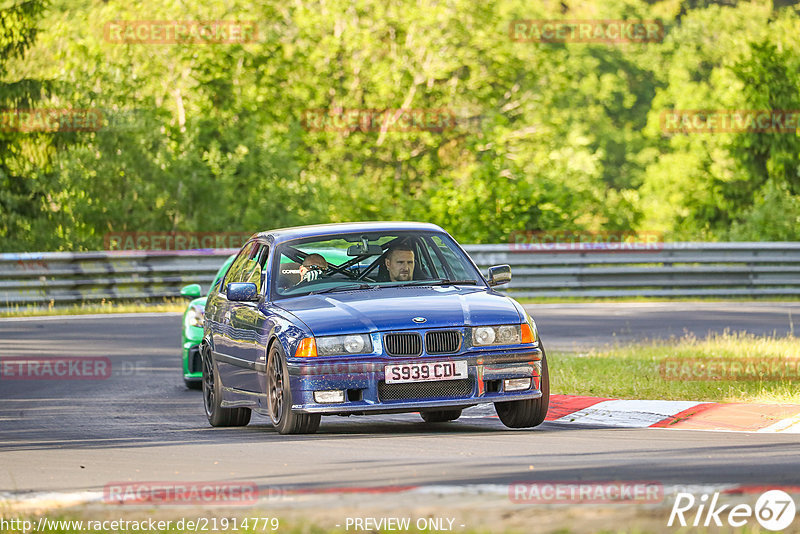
(366,391)
(192,364)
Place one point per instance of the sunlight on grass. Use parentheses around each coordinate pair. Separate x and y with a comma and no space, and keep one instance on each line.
(637,371)
(104,306)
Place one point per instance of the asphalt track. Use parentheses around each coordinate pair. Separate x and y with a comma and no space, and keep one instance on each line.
(141,424)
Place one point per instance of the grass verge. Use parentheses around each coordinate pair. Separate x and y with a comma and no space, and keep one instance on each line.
(728,367)
(159,305)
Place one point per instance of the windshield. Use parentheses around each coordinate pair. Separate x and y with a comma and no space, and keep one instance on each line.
(356,261)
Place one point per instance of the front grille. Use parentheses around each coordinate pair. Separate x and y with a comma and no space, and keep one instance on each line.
(195,363)
(403,344)
(440,389)
(442,341)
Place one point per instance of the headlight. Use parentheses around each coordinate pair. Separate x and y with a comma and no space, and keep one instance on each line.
(484,335)
(510,334)
(338,345)
(195,315)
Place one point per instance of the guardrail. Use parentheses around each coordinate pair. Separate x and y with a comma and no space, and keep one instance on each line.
(54,278)
(669,269)
(754,269)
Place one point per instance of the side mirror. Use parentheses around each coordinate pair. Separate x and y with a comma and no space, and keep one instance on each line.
(191,291)
(242,292)
(499,274)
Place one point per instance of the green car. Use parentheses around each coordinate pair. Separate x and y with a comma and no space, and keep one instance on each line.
(192,329)
(192,326)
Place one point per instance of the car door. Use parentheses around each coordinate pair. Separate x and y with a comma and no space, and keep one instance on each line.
(247,318)
(226,334)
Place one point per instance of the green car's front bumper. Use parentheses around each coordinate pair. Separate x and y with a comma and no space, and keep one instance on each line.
(190,343)
(192,367)
(192,334)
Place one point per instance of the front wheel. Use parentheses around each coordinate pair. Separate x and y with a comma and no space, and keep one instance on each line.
(527,413)
(212,396)
(279,398)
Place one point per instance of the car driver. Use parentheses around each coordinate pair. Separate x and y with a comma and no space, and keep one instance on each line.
(400,263)
(312,267)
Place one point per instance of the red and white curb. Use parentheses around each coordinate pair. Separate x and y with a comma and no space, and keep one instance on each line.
(684,415)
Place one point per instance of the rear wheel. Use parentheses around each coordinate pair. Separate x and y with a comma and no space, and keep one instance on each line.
(279,398)
(440,416)
(527,413)
(212,396)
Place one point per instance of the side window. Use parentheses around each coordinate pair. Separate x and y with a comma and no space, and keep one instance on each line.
(422,259)
(288,273)
(458,268)
(239,264)
(441,272)
(253,271)
(221,273)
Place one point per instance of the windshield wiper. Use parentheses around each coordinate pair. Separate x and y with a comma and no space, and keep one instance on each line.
(439,282)
(346,287)
(448,282)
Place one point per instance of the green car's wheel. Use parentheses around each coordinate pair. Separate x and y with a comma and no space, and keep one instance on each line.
(212,396)
(279,398)
(440,416)
(527,413)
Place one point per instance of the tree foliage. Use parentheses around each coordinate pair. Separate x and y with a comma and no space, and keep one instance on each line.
(566,136)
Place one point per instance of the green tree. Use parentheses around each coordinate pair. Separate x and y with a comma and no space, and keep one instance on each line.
(23,200)
(720,185)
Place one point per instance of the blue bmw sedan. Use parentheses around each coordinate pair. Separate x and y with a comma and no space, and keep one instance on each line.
(366,318)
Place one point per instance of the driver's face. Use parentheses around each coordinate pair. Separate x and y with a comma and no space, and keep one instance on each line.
(400,265)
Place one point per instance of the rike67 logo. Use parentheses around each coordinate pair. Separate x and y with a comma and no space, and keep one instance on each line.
(774,510)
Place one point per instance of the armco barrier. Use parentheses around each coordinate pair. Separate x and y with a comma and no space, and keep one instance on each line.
(665,269)
(670,269)
(58,278)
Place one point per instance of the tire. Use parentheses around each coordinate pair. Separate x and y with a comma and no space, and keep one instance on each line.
(212,396)
(194,383)
(527,413)
(440,416)
(279,398)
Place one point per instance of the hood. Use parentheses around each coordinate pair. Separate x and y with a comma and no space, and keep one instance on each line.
(379,309)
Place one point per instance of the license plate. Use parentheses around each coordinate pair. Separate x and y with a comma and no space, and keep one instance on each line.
(424,372)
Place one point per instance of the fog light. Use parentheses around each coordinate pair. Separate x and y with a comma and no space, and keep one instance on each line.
(516,384)
(327,397)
